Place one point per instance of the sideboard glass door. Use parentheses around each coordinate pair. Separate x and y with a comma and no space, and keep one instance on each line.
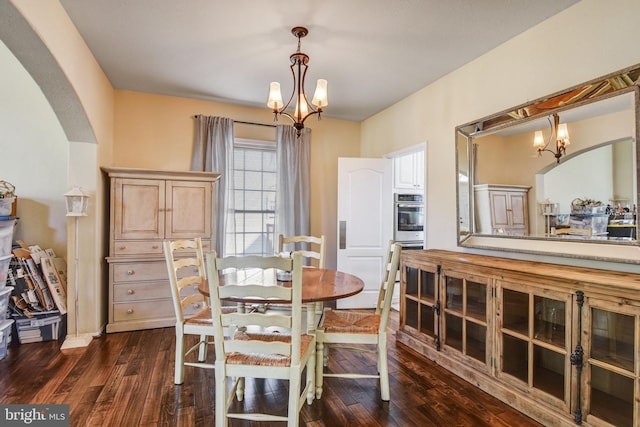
(534,342)
(612,365)
(466,316)
(420,299)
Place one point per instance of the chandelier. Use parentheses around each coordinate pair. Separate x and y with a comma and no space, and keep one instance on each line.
(559,134)
(303,108)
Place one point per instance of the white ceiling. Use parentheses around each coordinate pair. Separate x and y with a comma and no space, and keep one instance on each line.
(372,52)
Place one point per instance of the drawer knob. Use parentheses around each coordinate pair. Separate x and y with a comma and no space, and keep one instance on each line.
(122,248)
(154,247)
(131,272)
(130,311)
(196,305)
(130,291)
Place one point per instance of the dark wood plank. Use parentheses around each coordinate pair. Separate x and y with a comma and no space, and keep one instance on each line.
(127,379)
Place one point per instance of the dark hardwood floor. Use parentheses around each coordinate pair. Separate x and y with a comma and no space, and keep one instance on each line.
(126,379)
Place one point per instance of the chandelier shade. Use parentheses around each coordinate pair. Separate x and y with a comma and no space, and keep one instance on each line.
(559,134)
(302,109)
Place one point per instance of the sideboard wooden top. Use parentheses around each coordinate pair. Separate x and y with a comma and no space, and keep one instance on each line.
(497,266)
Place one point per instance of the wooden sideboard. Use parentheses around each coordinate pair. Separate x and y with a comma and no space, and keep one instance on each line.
(559,343)
(147,207)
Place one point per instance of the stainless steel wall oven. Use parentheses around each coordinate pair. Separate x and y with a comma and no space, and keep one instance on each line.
(409,220)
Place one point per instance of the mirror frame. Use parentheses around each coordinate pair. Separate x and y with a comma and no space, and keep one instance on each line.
(614,84)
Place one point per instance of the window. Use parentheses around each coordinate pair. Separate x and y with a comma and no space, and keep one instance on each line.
(251,225)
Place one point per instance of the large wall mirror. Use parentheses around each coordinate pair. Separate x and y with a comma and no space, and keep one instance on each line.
(557,176)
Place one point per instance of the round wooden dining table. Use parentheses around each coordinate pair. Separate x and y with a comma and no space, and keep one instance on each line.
(317,285)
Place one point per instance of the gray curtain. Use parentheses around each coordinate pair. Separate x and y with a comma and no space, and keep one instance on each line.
(213,152)
(293,160)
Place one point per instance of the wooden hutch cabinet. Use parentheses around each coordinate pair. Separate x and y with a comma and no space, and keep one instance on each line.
(561,344)
(147,207)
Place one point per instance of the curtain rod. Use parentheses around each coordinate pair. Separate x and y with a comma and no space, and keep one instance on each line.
(245,123)
(254,124)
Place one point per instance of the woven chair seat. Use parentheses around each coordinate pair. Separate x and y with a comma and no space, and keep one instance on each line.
(266,359)
(203,316)
(334,321)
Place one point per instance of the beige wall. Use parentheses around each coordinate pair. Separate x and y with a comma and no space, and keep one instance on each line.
(33,146)
(74,65)
(587,40)
(157,132)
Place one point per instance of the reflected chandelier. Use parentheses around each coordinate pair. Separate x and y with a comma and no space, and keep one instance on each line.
(559,133)
(303,108)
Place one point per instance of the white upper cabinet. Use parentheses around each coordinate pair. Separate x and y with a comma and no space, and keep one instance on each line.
(409,171)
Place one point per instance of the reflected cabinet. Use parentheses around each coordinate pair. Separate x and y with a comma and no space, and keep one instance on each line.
(558,343)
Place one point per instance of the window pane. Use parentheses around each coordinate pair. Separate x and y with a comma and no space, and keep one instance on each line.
(269,201)
(269,160)
(253,160)
(238,179)
(269,181)
(253,222)
(253,180)
(238,199)
(253,201)
(238,159)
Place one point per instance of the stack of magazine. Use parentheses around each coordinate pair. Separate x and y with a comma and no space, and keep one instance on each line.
(39,280)
(38,299)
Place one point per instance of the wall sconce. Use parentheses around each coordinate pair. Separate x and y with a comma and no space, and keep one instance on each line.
(559,133)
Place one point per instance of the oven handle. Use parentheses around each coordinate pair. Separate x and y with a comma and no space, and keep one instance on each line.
(406,205)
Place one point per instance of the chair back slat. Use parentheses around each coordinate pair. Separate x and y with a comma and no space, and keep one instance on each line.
(256,319)
(253,261)
(255,291)
(309,246)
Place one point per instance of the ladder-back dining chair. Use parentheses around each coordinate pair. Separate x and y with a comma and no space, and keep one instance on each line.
(313,249)
(359,328)
(264,345)
(185,266)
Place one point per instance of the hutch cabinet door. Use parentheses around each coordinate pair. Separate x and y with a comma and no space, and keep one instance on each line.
(189,209)
(533,328)
(138,209)
(466,322)
(611,374)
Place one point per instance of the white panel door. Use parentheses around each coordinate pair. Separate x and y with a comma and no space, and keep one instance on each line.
(365,224)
